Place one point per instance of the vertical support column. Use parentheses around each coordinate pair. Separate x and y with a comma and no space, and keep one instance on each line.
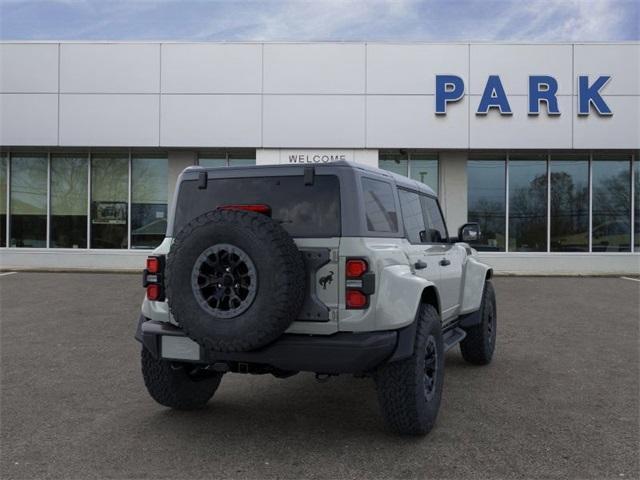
(452,185)
(89,187)
(178,161)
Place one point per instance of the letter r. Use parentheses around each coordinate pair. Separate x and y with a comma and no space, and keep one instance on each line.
(449,88)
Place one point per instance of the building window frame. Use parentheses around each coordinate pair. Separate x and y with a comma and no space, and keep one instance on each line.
(409,157)
(225,155)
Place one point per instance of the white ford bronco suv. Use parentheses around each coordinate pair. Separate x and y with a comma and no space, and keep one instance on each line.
(331,268)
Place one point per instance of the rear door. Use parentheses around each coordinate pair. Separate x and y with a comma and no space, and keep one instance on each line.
(450,258)
(423,257)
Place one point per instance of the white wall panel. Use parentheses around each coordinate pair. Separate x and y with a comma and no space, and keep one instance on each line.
(217,68)
(325,121)
(211,120)
(314,68)
(521,130)
(28,119)
(109,68)
(622,62)
(28,68)
(396,121)
(109,120)
(620,130)
(411,69)
(514,64)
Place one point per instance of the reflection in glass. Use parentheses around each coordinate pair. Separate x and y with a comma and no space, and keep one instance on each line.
(109,193)
(394,161)
(213,160)
(527,204)
(636,214)
(69,201)
(149,177)
(234,158)
(3,199)
(379,205)
(28,201)
(486,202)
(569,203)
(424,168)
(412,216)
(611,215)
(241,158)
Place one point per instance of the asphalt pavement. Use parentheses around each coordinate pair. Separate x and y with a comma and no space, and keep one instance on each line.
(560,399)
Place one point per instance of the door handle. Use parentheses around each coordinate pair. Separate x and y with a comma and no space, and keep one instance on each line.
(444,262)
(419,265)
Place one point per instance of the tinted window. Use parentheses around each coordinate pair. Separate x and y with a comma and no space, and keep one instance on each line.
(486,197)
(436,229)
(28,201)
(528,204)
(380,207)
(109,196)
(303,210)
(69,201)
(412,216)
(611,203)
(148,201)
(569,204)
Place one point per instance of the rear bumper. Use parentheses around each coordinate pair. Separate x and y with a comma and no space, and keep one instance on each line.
(342,352)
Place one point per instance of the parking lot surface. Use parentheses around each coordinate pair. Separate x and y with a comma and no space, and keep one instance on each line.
(560,399)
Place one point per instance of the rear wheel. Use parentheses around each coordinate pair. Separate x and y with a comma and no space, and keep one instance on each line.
(479,344)
(409,391)
(181,386)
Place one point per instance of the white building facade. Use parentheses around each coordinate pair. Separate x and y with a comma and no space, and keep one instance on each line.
(537,142)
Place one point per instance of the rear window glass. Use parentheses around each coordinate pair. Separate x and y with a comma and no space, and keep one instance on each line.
(380,206)
(303,210)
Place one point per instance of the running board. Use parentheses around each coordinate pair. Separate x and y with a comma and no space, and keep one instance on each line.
(452,337)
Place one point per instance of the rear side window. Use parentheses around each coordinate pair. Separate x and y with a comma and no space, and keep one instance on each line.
(436,229)
(380,206)
(412,216)
(303,210)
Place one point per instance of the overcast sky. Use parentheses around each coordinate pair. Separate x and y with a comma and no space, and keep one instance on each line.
(293,20)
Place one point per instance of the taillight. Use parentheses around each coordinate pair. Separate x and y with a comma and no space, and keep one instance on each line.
(256,207)
(360,283)
(152,278)
(356,267)
(153,291)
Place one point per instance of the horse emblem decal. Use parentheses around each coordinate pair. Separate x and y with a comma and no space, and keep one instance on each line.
(326,280)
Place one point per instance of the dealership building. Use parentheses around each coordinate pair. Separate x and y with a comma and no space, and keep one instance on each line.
(537,142)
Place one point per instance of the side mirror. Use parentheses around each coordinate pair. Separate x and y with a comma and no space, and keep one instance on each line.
(469,232)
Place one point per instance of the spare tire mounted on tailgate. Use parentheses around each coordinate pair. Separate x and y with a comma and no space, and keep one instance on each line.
(235,280)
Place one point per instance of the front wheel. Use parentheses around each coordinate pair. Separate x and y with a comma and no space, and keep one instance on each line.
(181,386)
(409,391)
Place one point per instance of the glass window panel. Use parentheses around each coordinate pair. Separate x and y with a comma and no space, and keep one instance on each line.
(424,168)
(636,213)
(486,202)
(569,203)
(395,162)
(149,180)
(412,216)
(611,229)
(213,160)
(380,206)
(28,201)
(241,158)
(4,165)
(436,228)
(109,193)
(69,201)
(528,204)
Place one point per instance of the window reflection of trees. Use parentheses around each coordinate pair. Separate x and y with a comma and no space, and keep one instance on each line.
(611,206)
(527,206)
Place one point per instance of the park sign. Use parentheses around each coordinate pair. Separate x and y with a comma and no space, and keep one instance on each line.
(542,89)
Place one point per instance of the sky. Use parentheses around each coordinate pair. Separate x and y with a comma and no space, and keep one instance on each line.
(321,20)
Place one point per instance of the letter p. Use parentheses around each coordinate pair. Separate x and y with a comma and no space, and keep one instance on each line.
(449,88)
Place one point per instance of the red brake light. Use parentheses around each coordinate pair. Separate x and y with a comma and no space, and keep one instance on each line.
(153,291)
(356,268)
(258,208)
(356,299)
(153,265)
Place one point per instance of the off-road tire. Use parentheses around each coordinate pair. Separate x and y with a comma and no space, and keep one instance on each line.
(175,385)
(478,346)
(281,280)
(401,385)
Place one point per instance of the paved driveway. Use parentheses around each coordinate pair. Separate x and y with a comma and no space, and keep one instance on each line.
(559,401)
